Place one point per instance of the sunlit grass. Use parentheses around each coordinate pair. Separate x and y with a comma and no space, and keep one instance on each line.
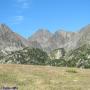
(29,77)
(71,70)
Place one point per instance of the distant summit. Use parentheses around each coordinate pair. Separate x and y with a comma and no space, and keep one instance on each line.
(10,40)
(45,48)
(41,36)
(44,39)
(61,39)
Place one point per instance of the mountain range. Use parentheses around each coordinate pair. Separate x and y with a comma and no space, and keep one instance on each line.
(45,48)
(43,39)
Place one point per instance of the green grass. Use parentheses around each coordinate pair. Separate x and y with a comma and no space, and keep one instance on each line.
(29,77)
(71,70)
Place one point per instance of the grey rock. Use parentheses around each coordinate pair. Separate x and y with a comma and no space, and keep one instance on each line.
(10,40)
(62,39)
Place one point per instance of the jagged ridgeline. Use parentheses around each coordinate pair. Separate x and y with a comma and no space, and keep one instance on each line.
(61,48)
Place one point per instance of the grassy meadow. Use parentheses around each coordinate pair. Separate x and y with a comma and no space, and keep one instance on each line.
(29,77)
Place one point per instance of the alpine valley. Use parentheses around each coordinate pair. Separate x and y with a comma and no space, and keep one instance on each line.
(68,49)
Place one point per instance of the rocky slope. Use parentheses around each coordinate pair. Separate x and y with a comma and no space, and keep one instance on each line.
(26,56)
(44,39)
(79,57)
(84,36)
(57,54)
(10,41)
(64,48)
(61,39)
(41,37)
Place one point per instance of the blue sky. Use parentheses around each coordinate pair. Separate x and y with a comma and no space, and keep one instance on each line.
(27,16)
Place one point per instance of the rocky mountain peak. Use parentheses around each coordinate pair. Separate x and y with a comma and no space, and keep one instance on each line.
(4,28)
(41,33)
(85,29)
(42,30)
(44,39)
(41,36)
(10,40)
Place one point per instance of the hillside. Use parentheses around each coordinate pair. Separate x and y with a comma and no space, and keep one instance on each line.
(61,39)
(43,39)
(62,48)
(28,77)
(79,57)
(26,56)
(9,40)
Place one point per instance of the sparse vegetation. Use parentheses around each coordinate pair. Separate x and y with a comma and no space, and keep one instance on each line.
(33,56)
(57,62)
(79,57)
(71,70)
(29,77)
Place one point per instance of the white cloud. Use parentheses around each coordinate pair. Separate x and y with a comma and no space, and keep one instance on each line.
(23,3)
(21,6)
(17,19)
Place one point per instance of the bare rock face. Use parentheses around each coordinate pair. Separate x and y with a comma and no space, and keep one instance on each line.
(41,36)
(61,39)
(55,44)
(84,35)
(43,39)
(57,54)
(10,40)
(35,44)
